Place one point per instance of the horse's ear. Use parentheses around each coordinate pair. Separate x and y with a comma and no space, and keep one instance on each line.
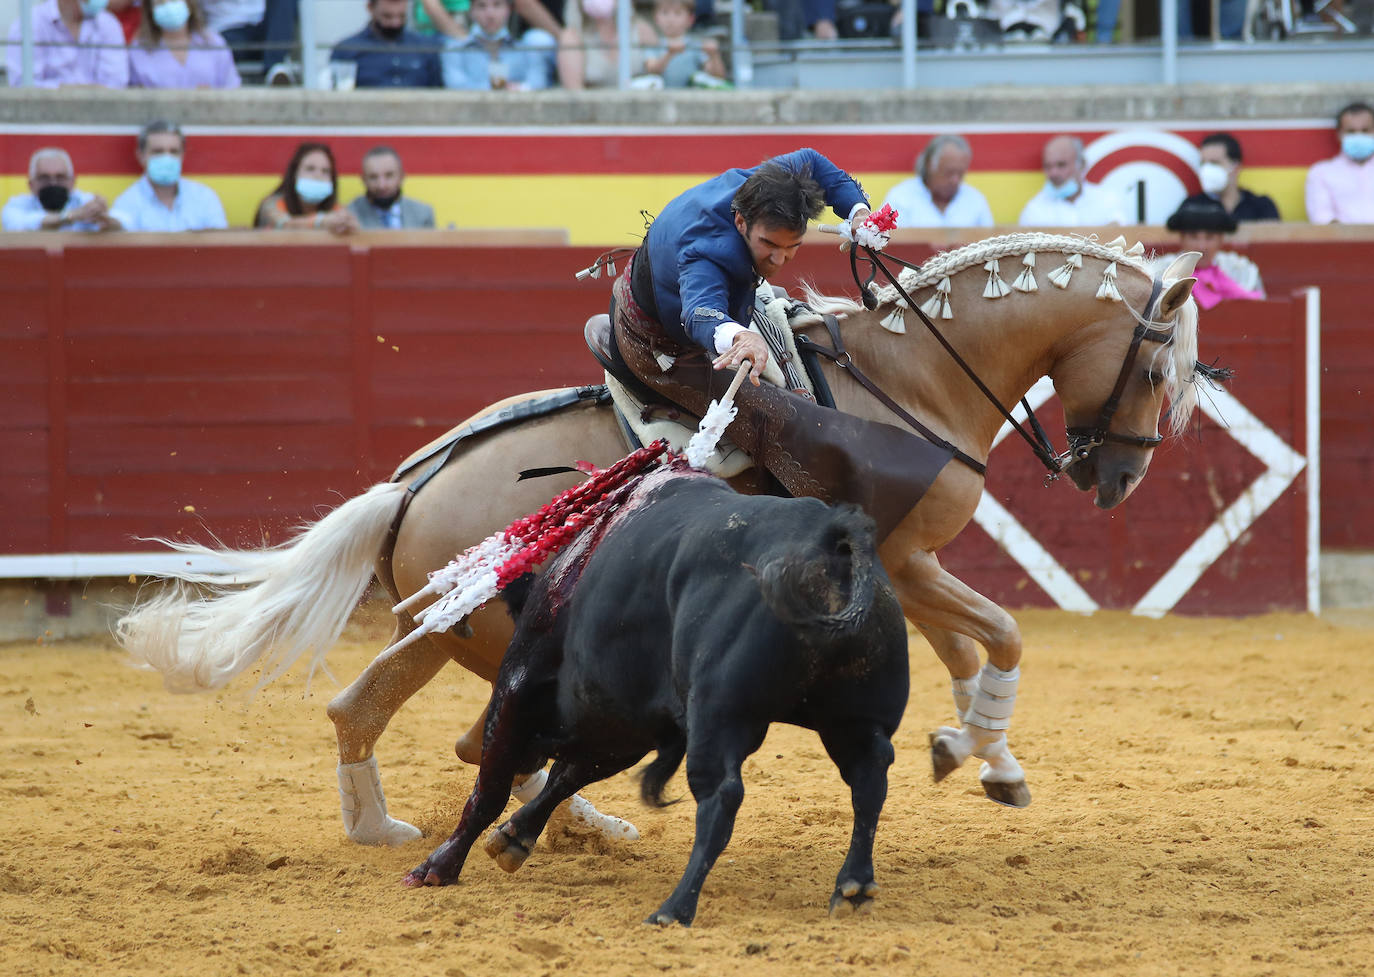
(1173,298)
(1182,266)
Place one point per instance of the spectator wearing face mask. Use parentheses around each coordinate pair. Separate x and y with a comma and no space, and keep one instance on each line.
(1341,189)
(308,195)
(384,206)
(1219,173)
(53,202)
(75,42)
(388,55)
(490,58)
(161,199)
(175,49)
(1067,198)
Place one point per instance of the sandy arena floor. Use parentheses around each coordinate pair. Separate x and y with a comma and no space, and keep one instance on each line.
(1203,801)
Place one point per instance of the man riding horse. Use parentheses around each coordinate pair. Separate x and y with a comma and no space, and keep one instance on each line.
(679,311)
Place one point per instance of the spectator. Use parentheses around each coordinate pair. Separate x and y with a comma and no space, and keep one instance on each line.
(677,58)
(588,49)
(489,58)
(388,55)
(129,13)
(176,50)
(1067,198)
(53,203)
(1341,189)
(383,206)
(440,18)
(937,195)
(308,195)
(1202,224)
(75,42)
(1219,173)
(161,200)
(255,30)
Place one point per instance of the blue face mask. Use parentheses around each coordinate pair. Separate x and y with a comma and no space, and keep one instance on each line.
(93,8)
(313,191)
(1359,146)
(171,16)
(1065,190)
(164,169)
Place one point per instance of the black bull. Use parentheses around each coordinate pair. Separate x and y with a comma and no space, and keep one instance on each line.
(698,618)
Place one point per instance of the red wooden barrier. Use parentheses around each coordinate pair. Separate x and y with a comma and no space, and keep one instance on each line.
(256,383)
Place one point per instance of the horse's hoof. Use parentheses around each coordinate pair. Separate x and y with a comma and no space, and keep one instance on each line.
(506,849)
(1009,794)
(943,762)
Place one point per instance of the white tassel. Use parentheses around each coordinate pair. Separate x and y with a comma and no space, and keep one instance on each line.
(1025,282)
(1118,244)
(1061,275)
(1107,290)
(1136,250)
(610,268)
(995,287)
(713,424)
(895,321)
(937,306)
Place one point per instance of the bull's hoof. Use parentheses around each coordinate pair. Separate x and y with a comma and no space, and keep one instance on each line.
(1015,794)
(423,876)
(943,762)
(850,897)
(506,849)
(664,919)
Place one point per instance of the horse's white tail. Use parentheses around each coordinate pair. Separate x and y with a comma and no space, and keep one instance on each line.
(201,632)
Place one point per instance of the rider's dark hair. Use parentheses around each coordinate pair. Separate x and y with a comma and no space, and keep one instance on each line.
(775,196)
(1229,144)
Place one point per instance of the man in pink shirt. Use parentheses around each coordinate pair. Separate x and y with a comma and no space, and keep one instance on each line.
(75,42)
(1341,189)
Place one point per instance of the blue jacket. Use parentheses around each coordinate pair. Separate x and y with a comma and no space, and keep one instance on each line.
(702,270)
(410,61)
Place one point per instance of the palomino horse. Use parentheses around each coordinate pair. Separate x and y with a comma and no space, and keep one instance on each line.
(1075,311)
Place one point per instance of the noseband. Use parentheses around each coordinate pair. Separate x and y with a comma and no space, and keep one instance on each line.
(1082,441)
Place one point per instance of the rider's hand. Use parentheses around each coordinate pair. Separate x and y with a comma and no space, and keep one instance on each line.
(871,230)
(745,346)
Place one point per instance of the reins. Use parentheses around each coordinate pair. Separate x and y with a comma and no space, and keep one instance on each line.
(1081,440)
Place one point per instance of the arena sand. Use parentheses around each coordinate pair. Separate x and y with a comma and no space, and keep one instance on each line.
(1203,799)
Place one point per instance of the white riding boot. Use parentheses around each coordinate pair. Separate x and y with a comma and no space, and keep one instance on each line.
(581,809)
(364,807)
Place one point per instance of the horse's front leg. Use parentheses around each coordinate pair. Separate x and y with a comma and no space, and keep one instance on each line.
(953,616)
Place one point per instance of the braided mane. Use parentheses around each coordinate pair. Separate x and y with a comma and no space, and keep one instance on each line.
(1180,355)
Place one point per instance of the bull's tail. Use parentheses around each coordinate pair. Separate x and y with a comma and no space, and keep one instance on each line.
(200,632)
(827,586)
(660,770)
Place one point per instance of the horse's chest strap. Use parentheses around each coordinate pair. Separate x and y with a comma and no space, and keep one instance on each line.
(841,358)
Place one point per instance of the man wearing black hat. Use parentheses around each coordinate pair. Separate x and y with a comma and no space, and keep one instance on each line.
(1202,224)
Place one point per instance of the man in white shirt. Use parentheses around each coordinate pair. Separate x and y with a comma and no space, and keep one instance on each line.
(1068,199)
(53,202)
(937,195)
(161,199)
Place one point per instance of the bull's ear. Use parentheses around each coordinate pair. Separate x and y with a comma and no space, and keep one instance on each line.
(1173,298)
(1182,266)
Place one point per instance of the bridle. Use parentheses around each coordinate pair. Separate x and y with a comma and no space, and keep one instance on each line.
(1082,441)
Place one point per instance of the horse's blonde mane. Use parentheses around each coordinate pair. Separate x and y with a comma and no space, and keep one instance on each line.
(1180,379)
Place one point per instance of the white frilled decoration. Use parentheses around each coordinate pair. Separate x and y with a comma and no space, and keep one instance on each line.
(895,321)
(995,287)
(1107,291)
(1025,282)
(1061,275)
(937,306)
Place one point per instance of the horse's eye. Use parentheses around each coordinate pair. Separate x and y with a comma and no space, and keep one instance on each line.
(1154,377)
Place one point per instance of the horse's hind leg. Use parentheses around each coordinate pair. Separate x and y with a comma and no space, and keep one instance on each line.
(943,603)
(360,714)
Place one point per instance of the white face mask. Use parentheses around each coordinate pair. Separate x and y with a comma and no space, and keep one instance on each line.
(1213,177)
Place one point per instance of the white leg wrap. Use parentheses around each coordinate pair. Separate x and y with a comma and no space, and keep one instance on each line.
(999,766)
(617,829)
(995,698)
(364,807)
(963,690)
(529,790)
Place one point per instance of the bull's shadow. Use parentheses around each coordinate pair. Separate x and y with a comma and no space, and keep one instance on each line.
(686,624)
